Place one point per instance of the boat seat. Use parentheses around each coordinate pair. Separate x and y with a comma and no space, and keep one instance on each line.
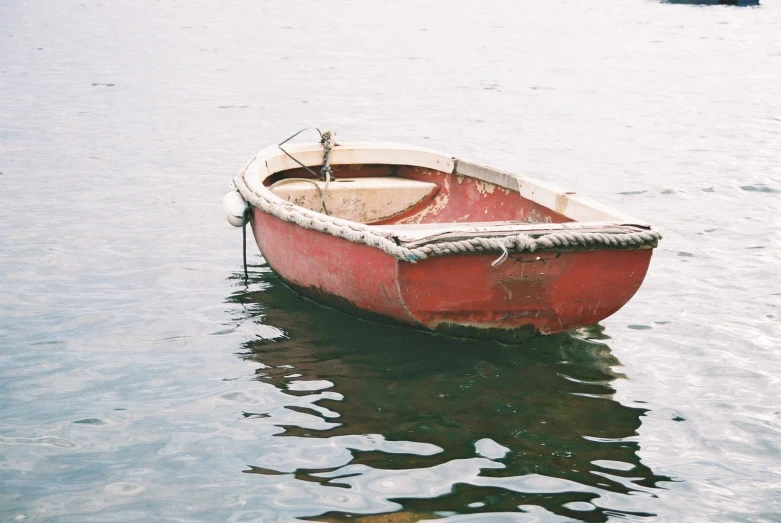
(413,234)
(363,200)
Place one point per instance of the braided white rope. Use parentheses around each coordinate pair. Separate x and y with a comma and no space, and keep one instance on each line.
(268,202)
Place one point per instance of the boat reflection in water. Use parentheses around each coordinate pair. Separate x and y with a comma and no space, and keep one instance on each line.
(380,419)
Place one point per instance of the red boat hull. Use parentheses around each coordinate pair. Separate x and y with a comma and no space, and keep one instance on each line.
(527,294)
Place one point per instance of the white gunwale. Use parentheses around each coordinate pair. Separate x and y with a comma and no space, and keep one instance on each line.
(581,209)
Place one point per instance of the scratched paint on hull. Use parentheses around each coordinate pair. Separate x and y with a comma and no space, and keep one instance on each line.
(466,295)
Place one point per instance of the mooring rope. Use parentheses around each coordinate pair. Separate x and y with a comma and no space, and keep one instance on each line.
(283,142)
(327,139)
(326,173)
(244,220)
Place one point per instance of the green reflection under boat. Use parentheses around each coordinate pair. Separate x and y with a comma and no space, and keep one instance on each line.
(549,401)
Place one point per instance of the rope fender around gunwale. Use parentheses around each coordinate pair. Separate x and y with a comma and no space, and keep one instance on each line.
(516,243)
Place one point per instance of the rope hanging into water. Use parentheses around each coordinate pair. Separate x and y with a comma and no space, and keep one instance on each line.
(244,220)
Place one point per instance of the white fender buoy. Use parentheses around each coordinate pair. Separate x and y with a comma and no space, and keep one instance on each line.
(234,206)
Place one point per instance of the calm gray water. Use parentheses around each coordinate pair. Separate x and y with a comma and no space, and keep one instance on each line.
(142,379)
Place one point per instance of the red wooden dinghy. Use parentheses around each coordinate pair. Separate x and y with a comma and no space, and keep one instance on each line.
(414,236)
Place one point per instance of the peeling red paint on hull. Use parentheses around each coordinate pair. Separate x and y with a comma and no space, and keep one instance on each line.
(528,294)
(551,292)
(495,254)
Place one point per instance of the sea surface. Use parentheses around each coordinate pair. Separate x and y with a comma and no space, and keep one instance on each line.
(143,379)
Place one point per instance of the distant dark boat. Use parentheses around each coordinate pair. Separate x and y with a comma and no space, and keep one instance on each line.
(713,2)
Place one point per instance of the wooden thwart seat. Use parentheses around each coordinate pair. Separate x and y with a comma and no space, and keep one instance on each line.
(412,235)
(363,200)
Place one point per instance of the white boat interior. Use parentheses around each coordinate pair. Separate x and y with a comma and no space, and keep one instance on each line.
(416,193)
